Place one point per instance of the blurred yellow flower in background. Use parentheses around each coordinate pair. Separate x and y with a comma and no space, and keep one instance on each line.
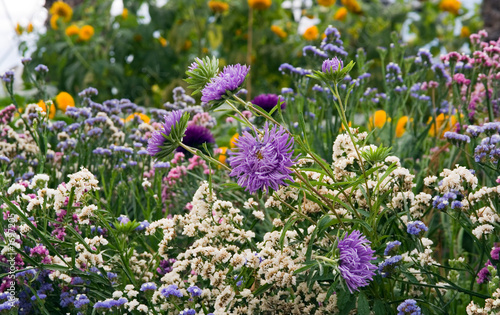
(311,33)
(29,28)
(442,124)
(341,14)
(464,32)
(72,30)
(187,44)
(125,13)
(234,139)
(218,6)
(162,41)
(326,3)
(86,33)
(52,109)
(143,117)
(53,22)
(61,9)
(259,4)
(378,119)
(223,155)
(64,100)
(352,5)
(279,31)
(401,126)
(452,6)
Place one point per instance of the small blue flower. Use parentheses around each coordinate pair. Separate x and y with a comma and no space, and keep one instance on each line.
(195,291)
(416,228)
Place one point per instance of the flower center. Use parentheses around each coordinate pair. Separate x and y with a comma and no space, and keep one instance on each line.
(259,155)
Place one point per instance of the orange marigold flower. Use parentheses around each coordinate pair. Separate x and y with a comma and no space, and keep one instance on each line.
(326,3)
(143,117)
(452,6)
(465,32)
(86,33)
(61,9)
(72,30)
(401,126)
(52,109)
(341,14)
(259,4)
(311,33)
(53,22)
(278,31)
(378,119)
(352,5)
(64,100)
(218,6)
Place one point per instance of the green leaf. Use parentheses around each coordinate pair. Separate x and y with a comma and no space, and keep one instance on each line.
(363,305)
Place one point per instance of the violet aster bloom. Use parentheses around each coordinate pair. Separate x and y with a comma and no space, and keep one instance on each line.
(409,307)
(158,137)
(229,79)
(332,65)
(195,136)
(355,256)
(268,101)
(263,162)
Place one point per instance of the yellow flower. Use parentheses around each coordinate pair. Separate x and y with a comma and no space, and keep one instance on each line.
(442,124)
(218,6)
(311,33)
(187,44)
(259,4)
(125,13)
(29,29)
(64,100)
(204,50)
(352,5)
(378,119)
(19,29)
(278,31)
(465,32)
(86,33)
(326,3)
(341,14)
(162,41)
(451,6)
(62,9)
(72,30)
(401,126)
(52,109)
(342,128)
(143,117)
(234,139)
(223,155)
(53,22)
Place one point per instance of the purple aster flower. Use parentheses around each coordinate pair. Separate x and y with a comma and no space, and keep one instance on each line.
(195,136)
(171,290)
(355,256)
(391,246)
(195,291)
(158,137)
(268,101)
(263,162)
(332,65)
(229,79)
(148,286)
(495,253)
(416,227)
(409,307)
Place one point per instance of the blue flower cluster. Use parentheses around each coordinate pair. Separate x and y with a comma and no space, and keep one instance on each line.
(391,247)
(387,266)
(416,228)
(409,307)
(451,198)
(171,290)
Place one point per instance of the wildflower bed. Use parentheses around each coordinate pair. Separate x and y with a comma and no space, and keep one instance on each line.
(310,209)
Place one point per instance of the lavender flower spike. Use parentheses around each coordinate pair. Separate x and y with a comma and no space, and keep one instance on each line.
(355,256)
(263,162)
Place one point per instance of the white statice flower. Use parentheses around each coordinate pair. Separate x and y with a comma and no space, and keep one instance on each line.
(259,215)
(16,189)
(39,180)
(430,180)
(250,203)
(482,230)
(146,183)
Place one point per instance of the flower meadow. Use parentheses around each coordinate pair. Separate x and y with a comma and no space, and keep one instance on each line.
(355,189)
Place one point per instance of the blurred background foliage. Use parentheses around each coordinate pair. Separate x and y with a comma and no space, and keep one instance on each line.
(143,58)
